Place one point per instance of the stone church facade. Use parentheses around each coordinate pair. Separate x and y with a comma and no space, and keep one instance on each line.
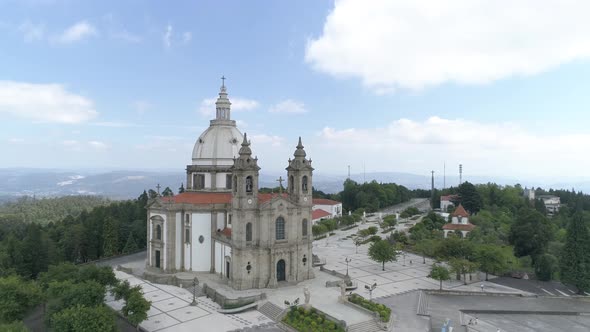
(222,224)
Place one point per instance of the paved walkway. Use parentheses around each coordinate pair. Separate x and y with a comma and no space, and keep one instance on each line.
(171,310)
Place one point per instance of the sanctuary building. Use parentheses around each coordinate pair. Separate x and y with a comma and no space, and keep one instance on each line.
(222,224)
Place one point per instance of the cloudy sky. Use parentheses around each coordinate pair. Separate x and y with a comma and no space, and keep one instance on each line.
(499,86)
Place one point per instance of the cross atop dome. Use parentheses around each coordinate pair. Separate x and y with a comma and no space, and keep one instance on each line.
(222,105)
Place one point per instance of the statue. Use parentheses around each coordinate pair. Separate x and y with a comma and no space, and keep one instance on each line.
(343,291)
(307,296)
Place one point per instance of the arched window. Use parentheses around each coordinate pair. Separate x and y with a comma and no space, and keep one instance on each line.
(280,228)
(304,227)
(249,184)
(292,183)
(187,236)
(249,231)
(158,232)
(304,183)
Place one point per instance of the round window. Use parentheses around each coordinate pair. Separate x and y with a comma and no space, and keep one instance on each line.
(201,239)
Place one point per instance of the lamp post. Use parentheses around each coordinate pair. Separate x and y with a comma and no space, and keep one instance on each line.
(371,289)
(347,260)
(195,284)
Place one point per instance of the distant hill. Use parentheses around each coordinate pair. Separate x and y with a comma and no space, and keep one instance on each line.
(123,184)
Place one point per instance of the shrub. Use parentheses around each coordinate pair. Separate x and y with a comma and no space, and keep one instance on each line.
(383,311)
(310,320)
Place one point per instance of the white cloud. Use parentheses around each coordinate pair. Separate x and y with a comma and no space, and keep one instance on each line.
(15,140)
(486,148)
(262,140)
(98,145)
(142,106)
(77,32)
(167,37)
(415,44)
(288,106)
(187,36)
(31,31)
(44,102)
(238,104)
(126,36)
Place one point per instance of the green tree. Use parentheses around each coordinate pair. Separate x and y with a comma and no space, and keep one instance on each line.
(470,198)
(530,233)
(79,318)
(17,298)
(426,247)
(382,252)
(131,245)
(66,294)
(13,327)
(575,262)
(111,237)
(440,273)
(167,192)
(462,266)
(389,221)
(545,267)
(492,259)
(136,307)
(181,189)
(372,230)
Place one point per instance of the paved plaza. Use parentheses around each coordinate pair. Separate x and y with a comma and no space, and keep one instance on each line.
(171,310)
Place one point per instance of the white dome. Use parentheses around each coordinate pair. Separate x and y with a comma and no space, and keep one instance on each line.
(218,145)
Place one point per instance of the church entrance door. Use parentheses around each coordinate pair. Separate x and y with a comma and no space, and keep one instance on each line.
(158,259)
(281,270)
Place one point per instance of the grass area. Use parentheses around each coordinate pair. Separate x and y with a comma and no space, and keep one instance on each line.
(310,321)
(383,311)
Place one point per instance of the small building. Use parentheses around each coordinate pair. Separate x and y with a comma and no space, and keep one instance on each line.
(459,223)
(319,214)
(446,201)
(552,203)
(334,208)
(529,193)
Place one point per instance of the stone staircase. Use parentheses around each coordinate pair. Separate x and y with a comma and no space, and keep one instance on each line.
(422,309)
(368,326)
(271,310)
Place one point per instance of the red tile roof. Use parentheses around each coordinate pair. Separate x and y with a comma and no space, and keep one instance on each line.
(324,201)
(449,198)
(459,227)
(460,212)
(191,197)
(319,213)
(267,197)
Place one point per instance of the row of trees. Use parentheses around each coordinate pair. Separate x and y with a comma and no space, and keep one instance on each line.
(27,249)
(73,299)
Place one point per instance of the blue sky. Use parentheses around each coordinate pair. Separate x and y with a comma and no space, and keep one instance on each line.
(384,85)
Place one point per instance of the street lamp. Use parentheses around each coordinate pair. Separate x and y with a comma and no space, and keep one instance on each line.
(347,260)
(292,304)
(371,289)
(195,284)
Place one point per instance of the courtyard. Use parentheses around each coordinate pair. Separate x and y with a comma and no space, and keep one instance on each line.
(171,309)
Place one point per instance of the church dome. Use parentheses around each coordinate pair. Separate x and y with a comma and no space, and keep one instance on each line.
(220,143)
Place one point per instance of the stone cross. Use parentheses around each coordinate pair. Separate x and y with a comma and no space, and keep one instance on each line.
(280,181)
(158,187)
(222,80)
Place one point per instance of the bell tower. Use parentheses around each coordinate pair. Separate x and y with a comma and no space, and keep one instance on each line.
(245,178)
(299,174)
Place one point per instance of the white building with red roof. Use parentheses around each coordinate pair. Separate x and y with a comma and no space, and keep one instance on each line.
(446,201)
(221,224)
(459,223)
(324,208)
